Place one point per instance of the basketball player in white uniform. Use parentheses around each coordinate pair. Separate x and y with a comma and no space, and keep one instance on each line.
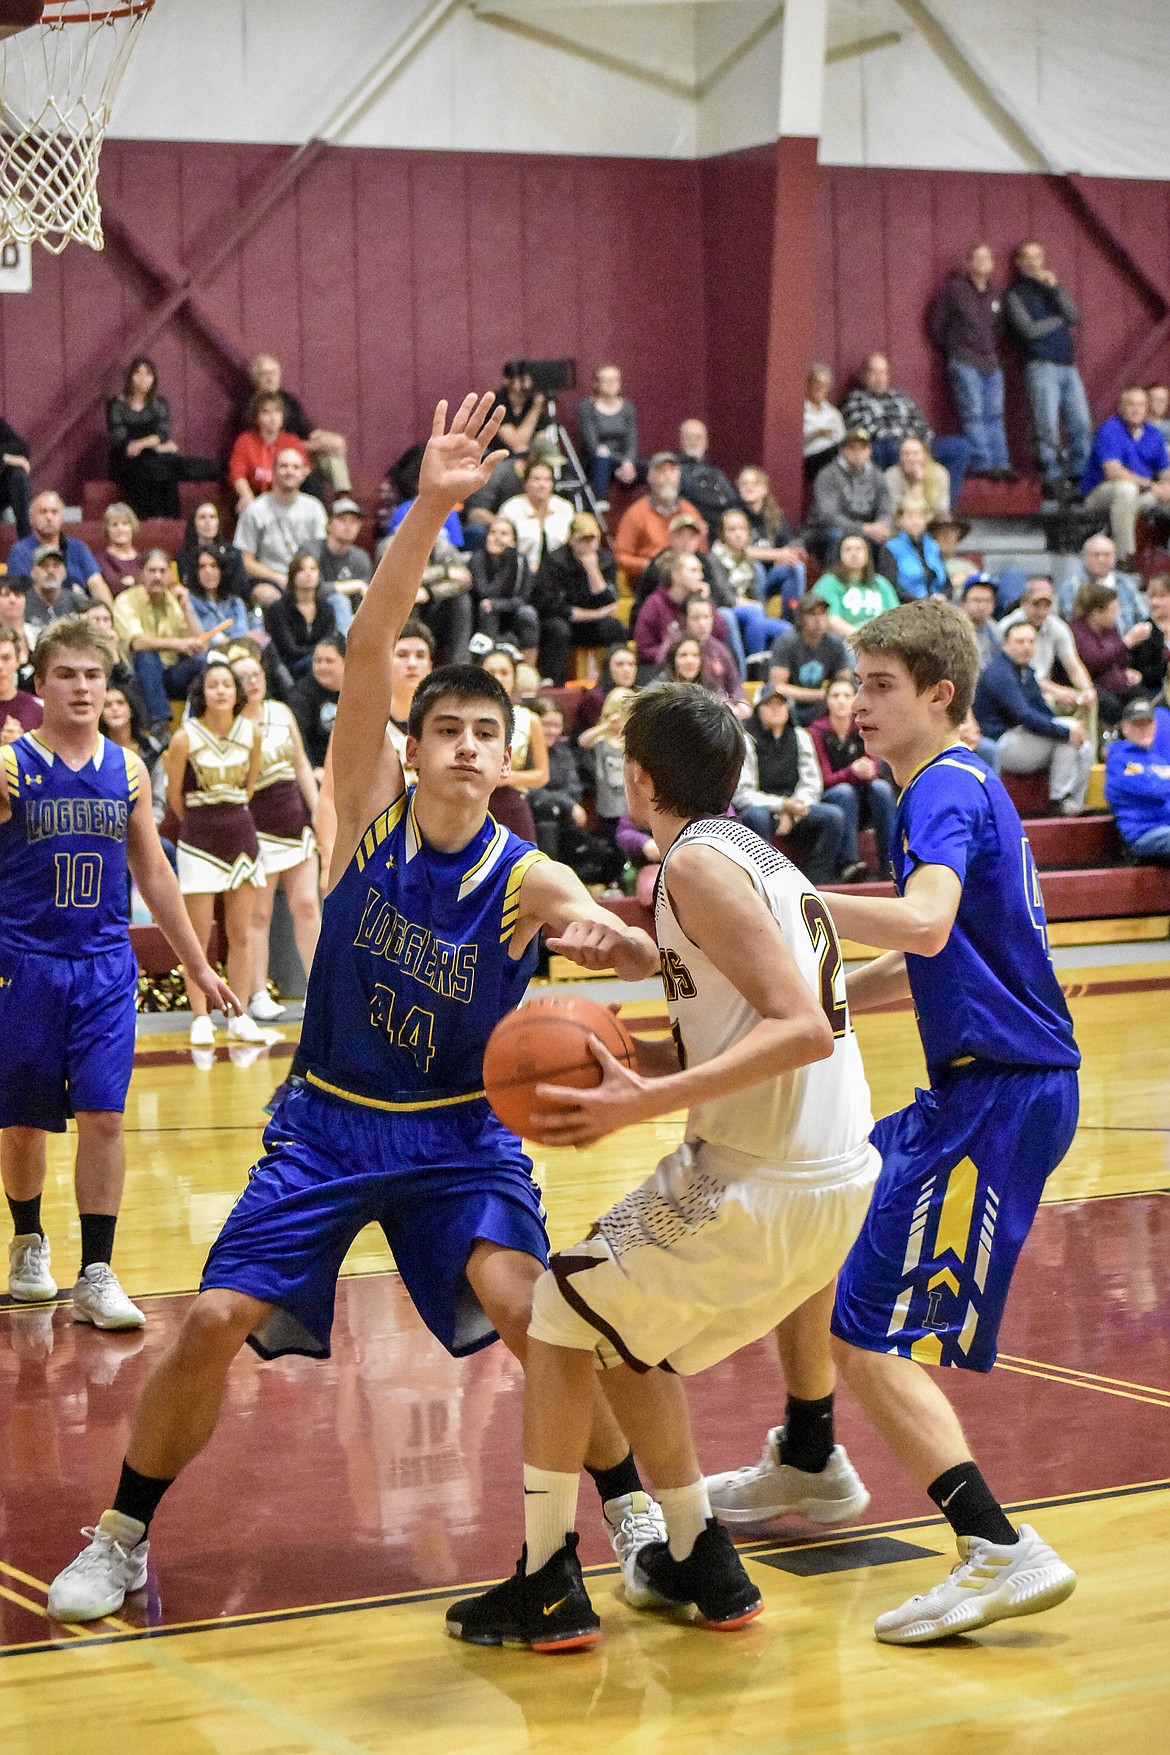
(752,1216)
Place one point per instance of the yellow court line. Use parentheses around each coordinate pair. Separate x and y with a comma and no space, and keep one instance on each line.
(1155,1401)
(1091,1376)
(23,1577)
(12,1596)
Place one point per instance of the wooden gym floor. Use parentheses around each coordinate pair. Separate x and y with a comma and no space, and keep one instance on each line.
(302,1567)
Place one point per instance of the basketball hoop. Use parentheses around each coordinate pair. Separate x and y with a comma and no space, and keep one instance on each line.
(58,81)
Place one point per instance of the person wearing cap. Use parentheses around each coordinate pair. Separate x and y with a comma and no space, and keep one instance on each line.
(978,605)
(685,536)
(1029,738)
(949,530)
(889,416)
(525,410)
(575,596)
(780,788)
(851,497)
(539,516)
(806,658)
(645,525)
(1054,645)
(346,569)
(1137,784)
(46,514)
(49,597)
(608,424)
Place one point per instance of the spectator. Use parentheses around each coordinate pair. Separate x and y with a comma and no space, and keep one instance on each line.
(807,658)
(641,856)
(529,769)
(684,536)
(314,699)
(502,587)
(661,615)
(275,525)
(645,525)
(719,669)
(1104,652)
(119,559)
(854,593)
(705,487)
(302,617)
(949,531)
(1150,656)
(917,480)
(121,675)
(444,599)
(1128,471)
(608,424)
(575,597)
(1029,738)
(772,543)
(1137,785)
(1043,316)
(145,461)
(1158,396)
(221,615)
(853,781)
(540,517)
(525,409)
(327,449)
(746,582)
(1098,566)
(556,807)
(850,497)
(917,556)
(46,515)
(345,568)
(14,470)
(160,635)
(123,724)
(204,530)
(49,597)
(889,416)
(607,742)
(19,711)
(970,733)
(978,605)
(779,789)
(824,428)
(965,322)
(618,671)
(13,611)
(252,464)
(1054,647)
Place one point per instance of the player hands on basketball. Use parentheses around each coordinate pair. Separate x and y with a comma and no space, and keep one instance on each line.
(427,940)
(964,1166)
(751,1217)
(75,816)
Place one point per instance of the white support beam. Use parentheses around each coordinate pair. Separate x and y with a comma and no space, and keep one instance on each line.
(886,39)
(603,58)
(802,68)
(385,71)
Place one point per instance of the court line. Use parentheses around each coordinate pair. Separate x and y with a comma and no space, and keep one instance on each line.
(751,1550)
(1156,1401)
(1090,1378)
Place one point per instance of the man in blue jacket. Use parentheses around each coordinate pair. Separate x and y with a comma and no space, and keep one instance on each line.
(1137,785)
(1128,469)
(1029,738)
(1042,315)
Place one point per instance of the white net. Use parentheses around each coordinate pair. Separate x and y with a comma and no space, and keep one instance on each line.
(58,80)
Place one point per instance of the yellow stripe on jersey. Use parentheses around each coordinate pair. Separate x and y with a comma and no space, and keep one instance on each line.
(378,831)
(133,770)
(485,864)
(11,768)
(511,909)
(395,1108)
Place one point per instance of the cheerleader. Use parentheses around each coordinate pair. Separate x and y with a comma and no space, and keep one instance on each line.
(212,765)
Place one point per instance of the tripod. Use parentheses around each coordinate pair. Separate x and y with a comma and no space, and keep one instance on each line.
(579,491)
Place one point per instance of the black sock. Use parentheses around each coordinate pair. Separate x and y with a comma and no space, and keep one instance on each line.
(808,1434)
(622,1478)
(97,1237)
(26,1215)
(969,1505)
(138,1495)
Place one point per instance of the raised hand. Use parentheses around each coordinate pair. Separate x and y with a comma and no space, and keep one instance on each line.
(454,464)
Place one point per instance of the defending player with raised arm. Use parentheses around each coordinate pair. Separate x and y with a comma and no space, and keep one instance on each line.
(75,817)
(964,1166)
(746,1222)
(427,940)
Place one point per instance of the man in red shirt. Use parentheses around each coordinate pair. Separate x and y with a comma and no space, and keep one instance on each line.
(252,464)
(645,526)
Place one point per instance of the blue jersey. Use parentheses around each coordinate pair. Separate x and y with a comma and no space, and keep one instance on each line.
(413,971)
(63,873)
(991,993)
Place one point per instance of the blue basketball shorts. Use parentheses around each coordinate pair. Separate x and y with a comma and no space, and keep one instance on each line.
(437,1181)
(66,1035)
(963,1170)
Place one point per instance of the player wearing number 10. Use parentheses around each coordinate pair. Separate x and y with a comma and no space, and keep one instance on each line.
(75,815)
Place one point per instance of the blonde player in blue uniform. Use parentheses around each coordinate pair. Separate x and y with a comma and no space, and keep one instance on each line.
(964,1166)
(428,937)
(75,817)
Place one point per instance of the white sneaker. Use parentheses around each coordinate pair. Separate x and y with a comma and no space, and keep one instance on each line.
(242,1028)
(770,1489)
(202,1032)
(264,1008)
(99,1580)
(98,1298)
(634,1521)
(991,1581)
(29,1279)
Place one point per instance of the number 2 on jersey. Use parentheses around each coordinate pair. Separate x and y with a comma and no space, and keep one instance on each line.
(824,937)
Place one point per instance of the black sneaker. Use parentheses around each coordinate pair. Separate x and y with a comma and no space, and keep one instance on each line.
(712,1577)
(550,1611)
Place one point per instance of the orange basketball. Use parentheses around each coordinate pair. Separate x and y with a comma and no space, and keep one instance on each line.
(546,1042)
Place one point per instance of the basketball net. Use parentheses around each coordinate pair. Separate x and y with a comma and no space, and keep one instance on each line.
(58,81)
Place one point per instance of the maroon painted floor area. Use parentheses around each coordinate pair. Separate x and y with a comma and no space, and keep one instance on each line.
(394,1469)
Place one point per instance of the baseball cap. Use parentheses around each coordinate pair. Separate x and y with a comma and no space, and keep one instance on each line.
(47,551)
(685,521)
(768,693)
(1138,711)
(856,436)
(346,504)
(662,457)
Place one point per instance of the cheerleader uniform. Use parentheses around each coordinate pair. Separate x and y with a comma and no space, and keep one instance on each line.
(217,848)
(282,818)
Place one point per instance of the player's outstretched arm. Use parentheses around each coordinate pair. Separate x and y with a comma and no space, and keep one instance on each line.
(579,928)
(152,873)
(882,982)
(453,467)
(918,921)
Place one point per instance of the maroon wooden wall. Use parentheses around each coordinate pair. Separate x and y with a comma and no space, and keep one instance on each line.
(387,279)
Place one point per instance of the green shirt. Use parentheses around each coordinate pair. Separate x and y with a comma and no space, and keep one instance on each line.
(858,603)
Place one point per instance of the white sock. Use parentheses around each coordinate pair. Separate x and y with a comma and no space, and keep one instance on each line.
(550,1512)
(686,1510)
(125,1530)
